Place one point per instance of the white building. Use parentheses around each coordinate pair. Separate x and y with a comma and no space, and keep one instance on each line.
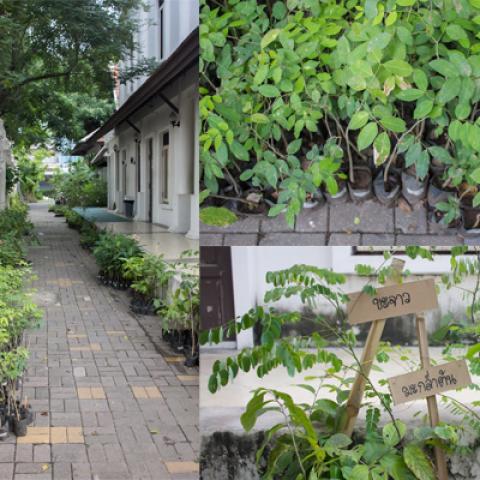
(233,281)
(150,142)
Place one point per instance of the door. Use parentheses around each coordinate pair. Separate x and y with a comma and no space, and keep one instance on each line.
(216,287)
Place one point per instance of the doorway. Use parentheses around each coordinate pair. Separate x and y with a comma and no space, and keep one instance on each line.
(216,287)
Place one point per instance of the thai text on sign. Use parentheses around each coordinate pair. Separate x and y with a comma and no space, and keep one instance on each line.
(430,381)
(392,301)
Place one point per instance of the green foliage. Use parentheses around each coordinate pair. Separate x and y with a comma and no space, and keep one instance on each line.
(81,186)
(217,216)
(148,274)
(38,73)
(15,231)
(31,171)
(280,80)
(17,311)
(307,442)
(112,250)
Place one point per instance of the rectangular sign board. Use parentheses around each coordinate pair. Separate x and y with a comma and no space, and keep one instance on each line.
(429,381)
(392,301)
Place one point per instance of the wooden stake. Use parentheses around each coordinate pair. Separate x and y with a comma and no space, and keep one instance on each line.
(368,356)
(440,460)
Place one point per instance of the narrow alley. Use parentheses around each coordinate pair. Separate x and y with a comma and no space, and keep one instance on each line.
(111,401)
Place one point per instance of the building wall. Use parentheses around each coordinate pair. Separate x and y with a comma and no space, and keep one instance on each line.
(250,265)
(180,18)
(153,123)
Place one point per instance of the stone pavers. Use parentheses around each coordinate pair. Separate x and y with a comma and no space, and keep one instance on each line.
(368,223)
(111,400)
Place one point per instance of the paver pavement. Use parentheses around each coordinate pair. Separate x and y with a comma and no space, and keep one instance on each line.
(368,224)
(111,401)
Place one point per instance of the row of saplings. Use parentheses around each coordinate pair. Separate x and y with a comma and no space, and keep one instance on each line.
(124,265)
(18,314)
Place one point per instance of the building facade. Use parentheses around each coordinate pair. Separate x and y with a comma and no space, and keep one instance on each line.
(148,145)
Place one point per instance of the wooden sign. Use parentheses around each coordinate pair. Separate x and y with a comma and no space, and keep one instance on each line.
(392,301)
(429,381)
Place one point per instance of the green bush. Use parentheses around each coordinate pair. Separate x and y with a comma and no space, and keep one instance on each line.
(308,442)
(112,250)
(81,186)
(148,274)
(296,92)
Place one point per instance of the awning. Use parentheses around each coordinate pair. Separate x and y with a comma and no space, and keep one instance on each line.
(99,158)
(183,58)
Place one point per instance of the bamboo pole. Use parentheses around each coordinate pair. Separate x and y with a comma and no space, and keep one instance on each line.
(440,460)
(368,356)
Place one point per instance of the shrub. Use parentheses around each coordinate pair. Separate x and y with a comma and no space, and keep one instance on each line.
(308,440)
(112,250)
(81,186)
(149,275)
(384,83)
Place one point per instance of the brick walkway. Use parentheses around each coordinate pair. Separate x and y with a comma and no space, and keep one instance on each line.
(368,223)
(111,402)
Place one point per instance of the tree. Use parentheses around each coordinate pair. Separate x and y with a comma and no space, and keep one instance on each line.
(31,171)
(53,55)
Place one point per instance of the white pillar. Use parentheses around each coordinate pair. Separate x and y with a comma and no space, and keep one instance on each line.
(194,231)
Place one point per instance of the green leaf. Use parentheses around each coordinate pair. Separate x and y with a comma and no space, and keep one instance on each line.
(456,32)
(462,111)
(337,441)
(212,383)
(423,108)
(239,151)
(259,118)
(269,37)
(393,124)
(398,67)
(358,120)
(475,3)
(294,147)
(404,35)
(279,10)
(217,216)
(420,79)
(371,9)
(269,91)
(391,435)
(360,472)
(382,146)
(391,19)
(444,67)
(410,95)
(261,74)
(418,462)
(475,175)
(450,89)
(367,135)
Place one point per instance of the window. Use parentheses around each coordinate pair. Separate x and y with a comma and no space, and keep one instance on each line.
(139,165)
(164,168)
(117,170)
(161,23)
(124,163)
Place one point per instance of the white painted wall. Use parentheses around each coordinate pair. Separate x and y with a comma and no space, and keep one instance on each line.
(177,214)
(250,265)
(180,18)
